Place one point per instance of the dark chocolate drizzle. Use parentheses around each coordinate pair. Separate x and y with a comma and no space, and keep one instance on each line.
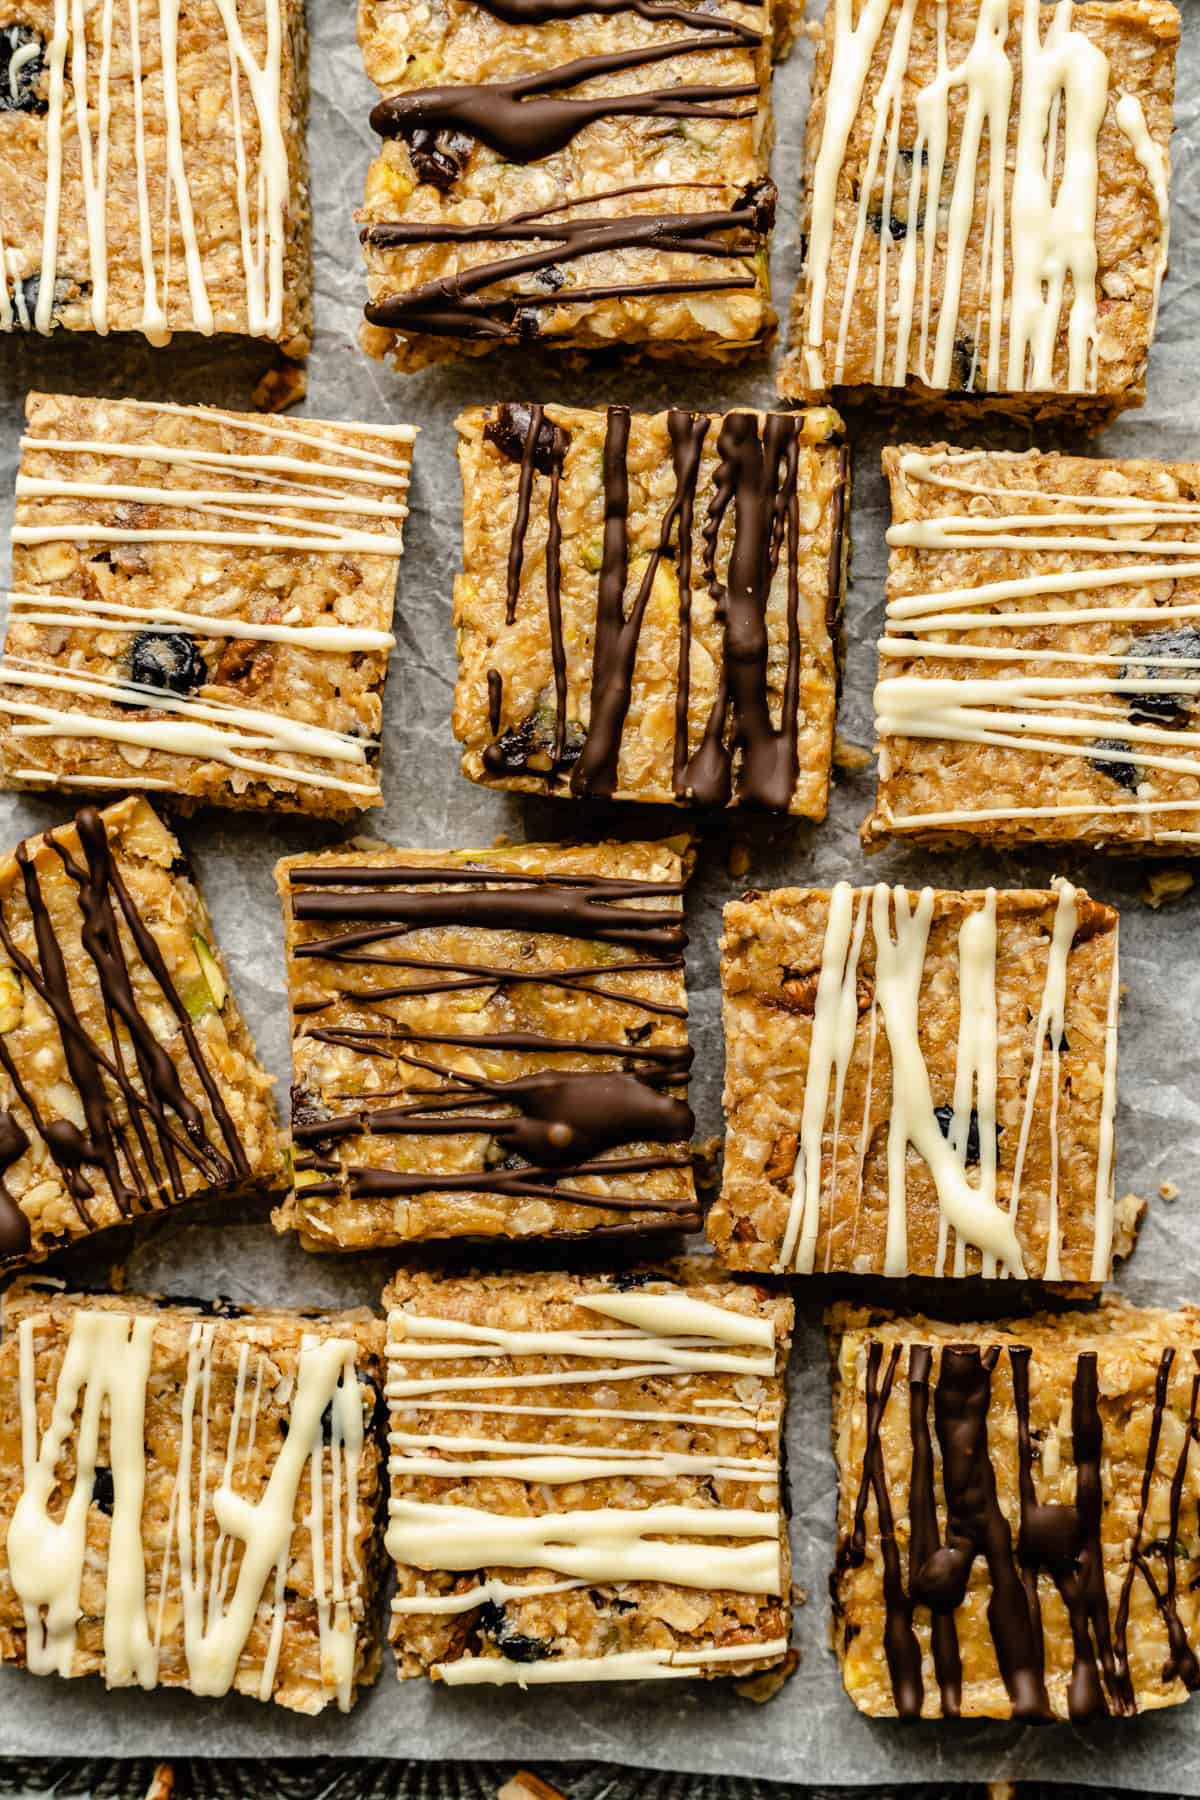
(549,12)
(14,1226)
(757,476)
(556,1125)
(455,305)
(1062,1541)
(168,1127)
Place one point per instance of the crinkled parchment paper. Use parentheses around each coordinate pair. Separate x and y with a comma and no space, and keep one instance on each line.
(810,1732)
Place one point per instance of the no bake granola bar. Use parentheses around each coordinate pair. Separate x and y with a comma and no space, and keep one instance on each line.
(920,1084)
(586,1476)
(128,1078)
(153,170)
(488,1043)
(1016,1527)
(202,604)
(188,1496)
(650,607)
(1040,669)
(986,204)
(584,176)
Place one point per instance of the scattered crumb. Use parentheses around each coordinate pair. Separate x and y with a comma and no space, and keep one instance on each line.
(368,843)
(812,31)
(799,1595)
(1167,1190)
(1002,1790)
(281,387)
(1166,885)
(1127,1219)
(767,1683)
(739,859)
(525,1785)
(505,841)
(707,1167)
(162,1783)
(851,757)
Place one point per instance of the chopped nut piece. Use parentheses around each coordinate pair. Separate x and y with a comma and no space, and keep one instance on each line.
(1166,885)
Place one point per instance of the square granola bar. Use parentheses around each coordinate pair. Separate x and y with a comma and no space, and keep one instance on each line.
(202,604)
(986,204)
(921,1084)
(1016,1535)
(581,175)
(154,170)
(650,607)
(488,1043)
(1040,668)
(586,1476)
(128,1078)
(189,1495)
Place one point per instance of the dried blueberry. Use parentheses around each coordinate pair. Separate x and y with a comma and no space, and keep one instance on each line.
(22,64)
(1174,711)
(103,1491)
(493,1622)
(509,431)
(965,368)
(898,221)
(945,1118)
(167,659)
(439,157)
(625,1279)
(551,277)
(27,293)
(528,748)
(1125,774)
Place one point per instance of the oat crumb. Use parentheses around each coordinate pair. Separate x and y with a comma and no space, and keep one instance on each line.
(1167,1190)
(1166,885)
(525,1785)
(739,859)
(162,1783)
(851,757)
(281,387)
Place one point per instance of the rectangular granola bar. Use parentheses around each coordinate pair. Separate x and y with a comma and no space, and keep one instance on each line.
(154,170)
(188,1496)
(920,1084)
(650,606)
(488,1043)
(586,1476)
(579,175)
(202,604)
(128,1078)
(1040,668)
(1016,1537)
(987,211)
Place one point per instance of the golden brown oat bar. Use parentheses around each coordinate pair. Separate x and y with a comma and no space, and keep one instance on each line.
(1016,1534)
(1041,664)
(610,560)
(582,175)
(488,1043)
(585,1476)
(987,203)
(202,605)
(188,1496)
(153,172)
(128,1079)
(920,1084)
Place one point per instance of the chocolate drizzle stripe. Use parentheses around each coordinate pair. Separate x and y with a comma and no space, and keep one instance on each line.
(578,912)
(134,1180)
(548,12)
(529,1043)
(400,875)
(528,1183)
(1063,1541)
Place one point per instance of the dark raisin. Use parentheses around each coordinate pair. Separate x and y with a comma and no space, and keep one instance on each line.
(637,1034)
(509,431)
(309,1111)
(27,293)
(167,659)
(759,198)
(1174,711)
(439,157)
(103,1491)
(181,866)
(19,86)
(493,1622)
(1125,774)
(966,373)
(528,323)
(945,1118)
(528,748)
(625,1279)
(218,1308)
(551,277)
(610,1603)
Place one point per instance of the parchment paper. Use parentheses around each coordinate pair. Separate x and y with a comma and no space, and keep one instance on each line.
(810,1732)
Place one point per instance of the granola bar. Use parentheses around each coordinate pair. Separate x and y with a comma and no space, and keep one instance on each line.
(650,607)
(487,1043)
(1040,668)
(582,175)
(586,1476)
(188,1496)
(987,211)
(128,1079)
(920,1083)
(153,170)
(202,604)
(1016,1537)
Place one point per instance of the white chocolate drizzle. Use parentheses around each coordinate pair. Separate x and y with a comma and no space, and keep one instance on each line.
(669,1336)
(1045,714)
(971,1208)
(104,1379)
(1039,207)
(258,163)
